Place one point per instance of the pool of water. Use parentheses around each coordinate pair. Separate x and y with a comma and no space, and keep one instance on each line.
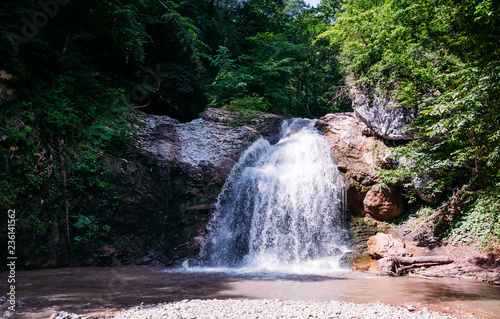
(92,290)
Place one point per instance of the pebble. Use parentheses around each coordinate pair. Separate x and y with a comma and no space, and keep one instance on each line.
(274,309)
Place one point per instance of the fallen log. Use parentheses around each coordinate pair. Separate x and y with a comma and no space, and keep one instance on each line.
(394,266)
(424,260)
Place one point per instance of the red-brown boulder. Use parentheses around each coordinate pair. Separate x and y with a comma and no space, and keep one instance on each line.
(383,202)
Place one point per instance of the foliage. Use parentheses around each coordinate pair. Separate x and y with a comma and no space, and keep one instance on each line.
(440,57)
(248,108)
(481,223)
(79,119)
(292,72)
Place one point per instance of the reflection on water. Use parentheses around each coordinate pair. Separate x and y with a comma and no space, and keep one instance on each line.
(89,290)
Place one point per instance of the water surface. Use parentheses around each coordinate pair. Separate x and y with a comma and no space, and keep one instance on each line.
(91,290)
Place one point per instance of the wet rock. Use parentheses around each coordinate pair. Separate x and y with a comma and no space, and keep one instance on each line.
(355,195)
(385,245)
(194,160)
(388,266)
(383,202)
(379,115)
(357,156)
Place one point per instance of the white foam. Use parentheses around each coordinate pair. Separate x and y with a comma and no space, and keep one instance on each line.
(281,209)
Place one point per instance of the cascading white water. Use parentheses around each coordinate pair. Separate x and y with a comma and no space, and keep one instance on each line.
(281,207)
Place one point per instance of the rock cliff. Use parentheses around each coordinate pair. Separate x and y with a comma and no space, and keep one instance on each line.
(379,115)
(358,158)
(194,160)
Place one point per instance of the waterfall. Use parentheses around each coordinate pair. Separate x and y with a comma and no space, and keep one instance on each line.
(282,206)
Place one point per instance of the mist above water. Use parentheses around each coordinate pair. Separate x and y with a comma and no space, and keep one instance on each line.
(281,209)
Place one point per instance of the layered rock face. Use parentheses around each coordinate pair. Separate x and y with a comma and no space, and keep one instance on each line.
(379,115)
(358,157)
(193,160)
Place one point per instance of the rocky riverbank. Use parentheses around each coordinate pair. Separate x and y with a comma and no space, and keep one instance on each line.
(246,309)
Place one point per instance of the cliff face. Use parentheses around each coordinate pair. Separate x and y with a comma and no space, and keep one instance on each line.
(380,115)
(162,191)
(358,158)
(194,160)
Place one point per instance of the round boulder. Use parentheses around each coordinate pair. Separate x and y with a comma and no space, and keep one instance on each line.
(383,202)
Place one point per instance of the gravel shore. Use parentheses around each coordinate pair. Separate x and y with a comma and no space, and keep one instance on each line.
(246,309)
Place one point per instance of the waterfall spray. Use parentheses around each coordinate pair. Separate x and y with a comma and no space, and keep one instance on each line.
(282,206)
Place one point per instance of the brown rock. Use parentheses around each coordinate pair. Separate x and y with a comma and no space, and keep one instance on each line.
(375,268)
(385,245)
(355,195)
(357,155)
(383,202)
(388,266)
(364,263)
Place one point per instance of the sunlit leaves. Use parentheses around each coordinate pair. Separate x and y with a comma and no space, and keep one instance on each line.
(441,57)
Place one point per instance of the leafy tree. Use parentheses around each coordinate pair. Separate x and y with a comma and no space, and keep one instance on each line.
(440,57)
(289,70)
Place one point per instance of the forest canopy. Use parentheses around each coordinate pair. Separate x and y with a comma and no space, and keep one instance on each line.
(442,58)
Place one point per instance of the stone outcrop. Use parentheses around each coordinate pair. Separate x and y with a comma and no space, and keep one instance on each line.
(426,195)
(383,202)
(357,157)
(379,115)
(385,245)
(193,161)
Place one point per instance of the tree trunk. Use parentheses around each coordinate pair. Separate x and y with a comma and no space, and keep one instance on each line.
(424,260)
(64,183)
(395,266)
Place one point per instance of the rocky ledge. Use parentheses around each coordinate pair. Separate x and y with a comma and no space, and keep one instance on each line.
(358,157)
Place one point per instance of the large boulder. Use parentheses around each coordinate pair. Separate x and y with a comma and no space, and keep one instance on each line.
(385,245)
(379,114)
(383,202)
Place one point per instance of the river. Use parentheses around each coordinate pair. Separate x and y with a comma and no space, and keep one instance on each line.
(91,290)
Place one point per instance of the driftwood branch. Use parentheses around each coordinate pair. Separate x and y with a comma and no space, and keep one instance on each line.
(394,266)
(424,260)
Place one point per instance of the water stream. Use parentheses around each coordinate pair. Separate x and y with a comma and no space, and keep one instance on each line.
(282,207)
(92,290)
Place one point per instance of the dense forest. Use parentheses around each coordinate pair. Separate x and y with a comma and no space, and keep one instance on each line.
(74,74)
(442,57)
